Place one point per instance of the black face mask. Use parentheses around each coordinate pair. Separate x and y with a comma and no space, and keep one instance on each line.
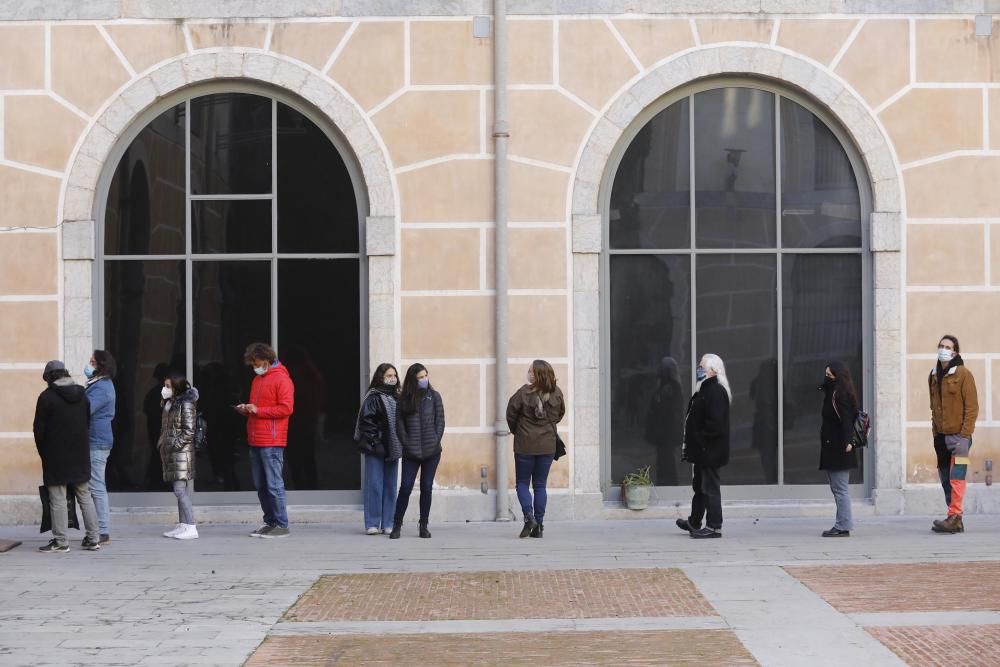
(829,383)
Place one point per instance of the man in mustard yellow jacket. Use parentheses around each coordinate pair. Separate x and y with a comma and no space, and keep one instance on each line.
(954,408)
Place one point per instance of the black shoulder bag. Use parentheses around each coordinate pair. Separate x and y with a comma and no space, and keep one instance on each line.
(560,445)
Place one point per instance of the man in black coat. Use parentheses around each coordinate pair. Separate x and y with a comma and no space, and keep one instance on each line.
(706,445)
(62,436)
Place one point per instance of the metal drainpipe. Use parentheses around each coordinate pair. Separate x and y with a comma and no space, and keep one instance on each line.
(501,133)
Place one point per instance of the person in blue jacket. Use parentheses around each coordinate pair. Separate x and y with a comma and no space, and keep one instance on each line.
(100,374)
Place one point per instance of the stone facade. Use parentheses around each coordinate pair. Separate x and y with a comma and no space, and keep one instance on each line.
(412,96)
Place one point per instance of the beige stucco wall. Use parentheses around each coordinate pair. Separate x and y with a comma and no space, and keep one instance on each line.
(413,96)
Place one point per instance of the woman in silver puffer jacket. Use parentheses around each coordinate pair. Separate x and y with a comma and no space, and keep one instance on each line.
(176,447)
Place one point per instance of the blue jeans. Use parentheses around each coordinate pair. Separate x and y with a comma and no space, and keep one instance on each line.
(380,491)
(265,465)
(99,488)
(427,469)
(533,469)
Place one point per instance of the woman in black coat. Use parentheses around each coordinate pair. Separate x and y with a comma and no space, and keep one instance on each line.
(375,433)
(706,445)
(420,427)
(836,455)
(62,436)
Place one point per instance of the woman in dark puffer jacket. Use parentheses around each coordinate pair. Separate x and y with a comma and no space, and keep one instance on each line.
(176,447)
(420,426)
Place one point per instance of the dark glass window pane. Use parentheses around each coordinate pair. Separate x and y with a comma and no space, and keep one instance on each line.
(230,144)
(145,211)
(820,205)
(737,315)
(822,322)
(144,329)
(317,209)
(734,168)
(231,309)
(650,364)
(231,226)
(651,196)
(320,344)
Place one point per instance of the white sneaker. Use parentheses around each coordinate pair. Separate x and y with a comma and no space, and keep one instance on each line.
(188,532)
(173,531)
(372,531)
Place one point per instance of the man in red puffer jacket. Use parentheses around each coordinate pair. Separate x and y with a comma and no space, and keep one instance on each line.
(272,401)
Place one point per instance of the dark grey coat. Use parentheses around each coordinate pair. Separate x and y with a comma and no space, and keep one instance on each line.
(62,422)
(176,443)
(420,432)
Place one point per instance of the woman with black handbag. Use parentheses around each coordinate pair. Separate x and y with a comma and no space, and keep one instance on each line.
(375,433)
(532,414)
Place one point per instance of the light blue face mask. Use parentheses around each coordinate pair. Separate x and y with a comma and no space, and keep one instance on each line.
(89,371)
(700,374)
(423,383)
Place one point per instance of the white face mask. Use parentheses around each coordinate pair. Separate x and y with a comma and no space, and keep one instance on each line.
(945,355)
(260,370)
(390,382)
(167,393)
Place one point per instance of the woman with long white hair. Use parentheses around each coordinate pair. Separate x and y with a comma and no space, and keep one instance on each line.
(706,445)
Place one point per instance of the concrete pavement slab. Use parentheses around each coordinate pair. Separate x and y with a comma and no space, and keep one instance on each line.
(239,587)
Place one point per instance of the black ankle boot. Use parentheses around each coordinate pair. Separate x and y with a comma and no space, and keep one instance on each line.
(529,526)
(397,527)
(539,529)
(423,531)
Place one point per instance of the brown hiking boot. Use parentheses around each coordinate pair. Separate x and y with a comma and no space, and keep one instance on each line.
(951,525)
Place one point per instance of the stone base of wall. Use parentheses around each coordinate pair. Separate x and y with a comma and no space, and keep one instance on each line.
(929,499)
(454,506)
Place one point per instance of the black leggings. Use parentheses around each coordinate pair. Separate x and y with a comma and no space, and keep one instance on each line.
(427,469)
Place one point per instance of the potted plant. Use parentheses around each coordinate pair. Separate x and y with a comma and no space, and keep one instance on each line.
(636,489)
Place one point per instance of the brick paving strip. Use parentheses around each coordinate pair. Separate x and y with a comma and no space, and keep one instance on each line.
(505,625)
(930,646)
(455,596)
(907,587)
(701,648)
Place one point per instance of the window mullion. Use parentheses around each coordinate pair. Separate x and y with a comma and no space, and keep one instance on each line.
(188,266)
(693,266)
(779,293)
(274,223)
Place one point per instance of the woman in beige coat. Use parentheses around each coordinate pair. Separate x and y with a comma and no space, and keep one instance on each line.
(532,414)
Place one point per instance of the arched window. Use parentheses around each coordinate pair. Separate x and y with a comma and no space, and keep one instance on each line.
(232,218)
(735,226)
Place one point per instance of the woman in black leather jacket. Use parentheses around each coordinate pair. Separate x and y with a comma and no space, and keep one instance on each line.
(375,433)
(176,447)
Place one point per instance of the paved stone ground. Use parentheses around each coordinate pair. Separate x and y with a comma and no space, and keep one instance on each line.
(145,600)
